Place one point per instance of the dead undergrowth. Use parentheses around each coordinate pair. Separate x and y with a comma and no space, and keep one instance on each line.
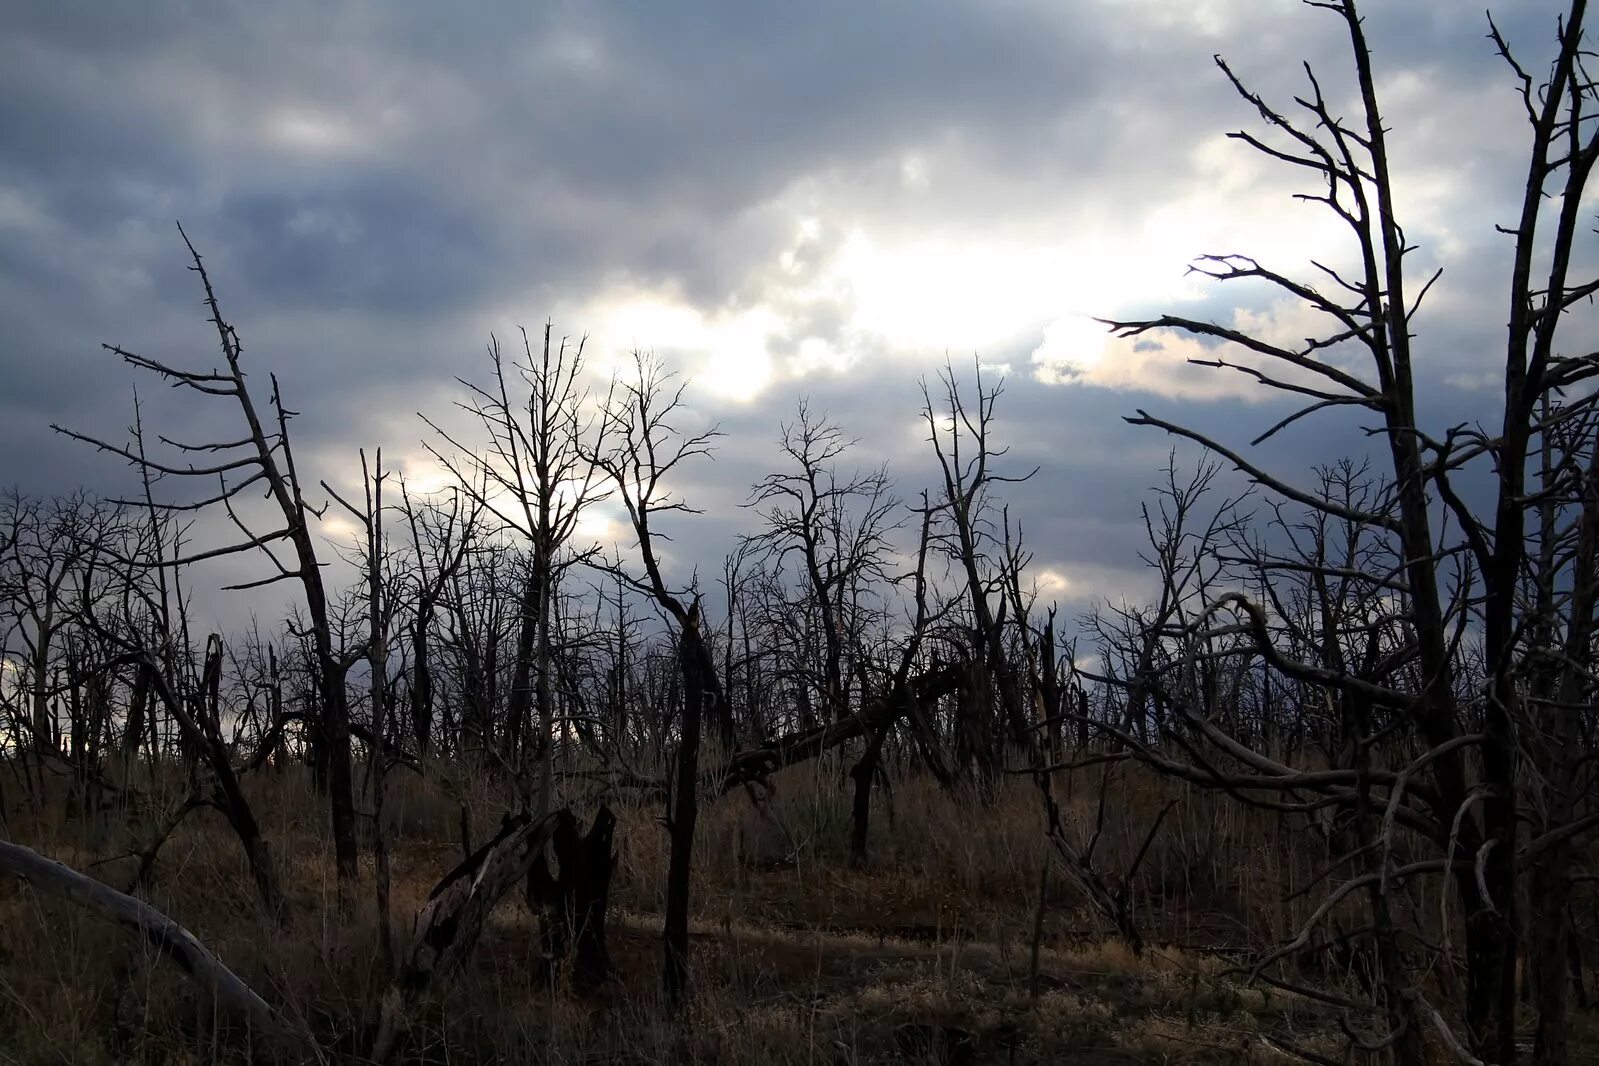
(925,955)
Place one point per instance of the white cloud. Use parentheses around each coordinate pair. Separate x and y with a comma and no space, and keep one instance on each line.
(725,353)
(312,131)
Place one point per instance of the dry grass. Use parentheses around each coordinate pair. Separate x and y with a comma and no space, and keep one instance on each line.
(922,957)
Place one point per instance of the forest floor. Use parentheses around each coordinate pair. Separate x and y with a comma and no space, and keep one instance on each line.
(926,955)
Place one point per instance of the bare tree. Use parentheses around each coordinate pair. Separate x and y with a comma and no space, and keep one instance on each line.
(369,515)
(960,428)
(639,447)
(441,537)
(1463,790)
(262,458)
(838,526)
(535,481)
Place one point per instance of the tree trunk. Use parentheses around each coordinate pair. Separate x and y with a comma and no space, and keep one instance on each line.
(863,772)
(421,684)
(575,903)
(133,733)
(685,809)
(1050,691)
(529,606)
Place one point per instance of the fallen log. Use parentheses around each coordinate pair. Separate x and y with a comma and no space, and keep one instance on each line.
(168,937)
(756,764)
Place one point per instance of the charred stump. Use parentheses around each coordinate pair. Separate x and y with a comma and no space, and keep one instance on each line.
(575,899)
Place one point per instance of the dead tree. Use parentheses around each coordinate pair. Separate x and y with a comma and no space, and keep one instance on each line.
(480,616)
(737,658)
(261,459)
(441,538)
(900,696)
(638,448)
(380,611)
(1560,690)
(534,480)
(960,428)
(449,924)
(577,896)
(837,524)
(1464,791)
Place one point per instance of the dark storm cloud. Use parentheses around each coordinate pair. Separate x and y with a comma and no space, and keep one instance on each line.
(353,246)
(378,186)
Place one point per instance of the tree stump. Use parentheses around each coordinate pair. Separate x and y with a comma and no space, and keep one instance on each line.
(576,897)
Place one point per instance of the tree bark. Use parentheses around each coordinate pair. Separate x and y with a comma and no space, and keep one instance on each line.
(863,773)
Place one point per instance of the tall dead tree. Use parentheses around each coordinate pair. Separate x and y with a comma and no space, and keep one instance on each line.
(441,536)
(837,525)
(534,480)
(960,428)
(1464,792)
(379,613)
(899,695)
(260,459)
(638,449)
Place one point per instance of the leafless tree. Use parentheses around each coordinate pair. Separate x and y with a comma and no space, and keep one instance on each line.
(838,525)
(369,516)
(1455,567)
(442,535)
(534,480)
(261,459)
(638,448)
(960,426)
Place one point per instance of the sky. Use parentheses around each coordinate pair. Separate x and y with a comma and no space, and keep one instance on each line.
(783,201)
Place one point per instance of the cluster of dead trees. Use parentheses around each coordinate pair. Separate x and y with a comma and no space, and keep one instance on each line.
(484,633)
(1397,653)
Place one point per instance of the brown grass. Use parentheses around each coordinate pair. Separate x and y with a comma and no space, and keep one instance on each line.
(922,957)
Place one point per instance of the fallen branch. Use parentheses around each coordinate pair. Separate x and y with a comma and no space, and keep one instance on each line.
(757,764)
(168,937)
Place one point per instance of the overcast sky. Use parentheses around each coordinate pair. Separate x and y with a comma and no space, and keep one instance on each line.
(784,200)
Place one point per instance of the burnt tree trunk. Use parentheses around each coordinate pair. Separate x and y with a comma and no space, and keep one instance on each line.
(1049,691)
(421,685)
(575,900)
(1082,718)
(521,699)
(138,710)
(685,807)
(863,772)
